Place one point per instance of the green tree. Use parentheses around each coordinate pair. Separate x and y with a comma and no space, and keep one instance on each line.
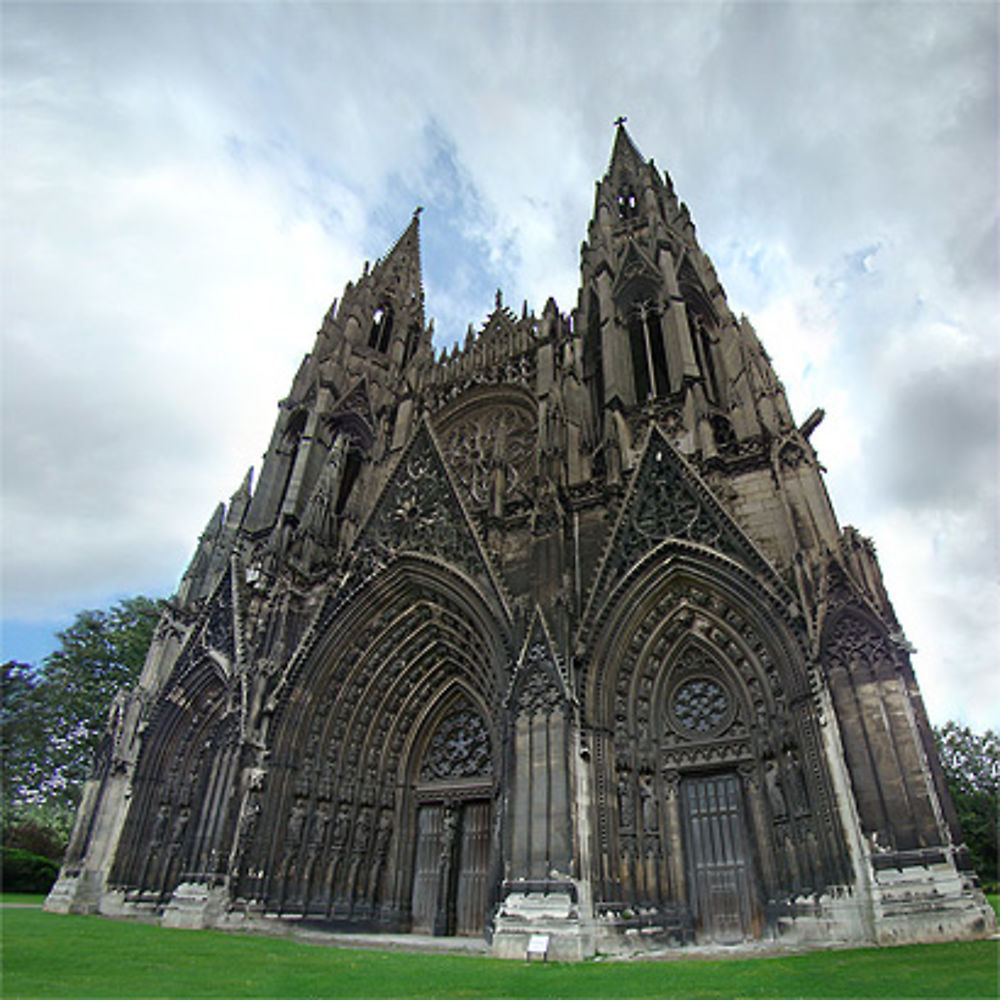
(53,717)
(971,763)
(23,731)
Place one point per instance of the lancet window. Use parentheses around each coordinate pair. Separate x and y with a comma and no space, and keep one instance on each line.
(381,329)
(412,339)
(628,204)
(706,362)
(649,359)
(592,360)
(352,468)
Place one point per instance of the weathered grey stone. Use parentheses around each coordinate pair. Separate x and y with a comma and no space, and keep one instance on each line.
(555,634)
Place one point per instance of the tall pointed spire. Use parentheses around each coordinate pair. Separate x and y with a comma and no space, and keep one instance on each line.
(624,153)
(403,258)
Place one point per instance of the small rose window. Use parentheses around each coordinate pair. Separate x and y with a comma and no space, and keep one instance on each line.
(701,705)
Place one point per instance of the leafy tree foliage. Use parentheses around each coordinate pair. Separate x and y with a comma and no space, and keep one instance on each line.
(971,763)
(52,717)
(23,737)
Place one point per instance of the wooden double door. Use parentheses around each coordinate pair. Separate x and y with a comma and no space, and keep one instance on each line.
(451,870)
(723,891)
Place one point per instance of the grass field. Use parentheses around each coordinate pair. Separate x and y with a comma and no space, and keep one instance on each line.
(45,955)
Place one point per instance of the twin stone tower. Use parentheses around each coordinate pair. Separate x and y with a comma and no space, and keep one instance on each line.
(554,634)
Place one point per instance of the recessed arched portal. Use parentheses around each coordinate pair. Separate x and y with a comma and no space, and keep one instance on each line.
(452,791)
(713,805)
(384,760)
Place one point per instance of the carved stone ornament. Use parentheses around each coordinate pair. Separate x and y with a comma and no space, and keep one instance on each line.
(538,691)
(460,748)
(855,640)
(700,705)
(419,512)
(501,438)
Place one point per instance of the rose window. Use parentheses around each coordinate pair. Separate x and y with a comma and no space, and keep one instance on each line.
(459,749)
(701,705)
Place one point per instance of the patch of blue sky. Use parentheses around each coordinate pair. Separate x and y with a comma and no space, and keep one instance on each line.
(863,260)
(754,275)
(29,642)
(462,264)
(461,267)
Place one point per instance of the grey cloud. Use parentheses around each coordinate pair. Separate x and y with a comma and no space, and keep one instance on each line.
(938,443)
(800,135)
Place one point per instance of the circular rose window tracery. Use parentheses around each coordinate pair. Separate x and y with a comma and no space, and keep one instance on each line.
(701,706)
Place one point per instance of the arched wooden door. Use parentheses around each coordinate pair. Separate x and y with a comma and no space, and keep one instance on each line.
(450,884)
(453,799)
(722,889)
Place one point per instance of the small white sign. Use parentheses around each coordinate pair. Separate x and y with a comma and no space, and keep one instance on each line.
(538,944)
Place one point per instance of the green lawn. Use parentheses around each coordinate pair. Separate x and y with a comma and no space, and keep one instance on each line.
(45,955)
(35,898)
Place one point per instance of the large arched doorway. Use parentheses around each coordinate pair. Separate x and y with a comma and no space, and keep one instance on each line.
(379,776)
(712,806)
(453,791)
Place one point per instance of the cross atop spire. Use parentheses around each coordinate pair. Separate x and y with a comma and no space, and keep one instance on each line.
(624,153)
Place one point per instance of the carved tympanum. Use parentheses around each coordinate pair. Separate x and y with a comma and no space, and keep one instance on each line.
(460,748)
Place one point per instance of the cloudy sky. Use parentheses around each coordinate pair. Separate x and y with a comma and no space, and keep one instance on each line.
(187,186)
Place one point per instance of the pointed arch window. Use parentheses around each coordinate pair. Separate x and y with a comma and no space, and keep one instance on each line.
(593,364)
(412,339)
(628,204)
(649,357)
(352,469)
(706,360)
(381,328)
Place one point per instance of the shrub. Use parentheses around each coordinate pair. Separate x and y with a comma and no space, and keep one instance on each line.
(27,872)
(35,838)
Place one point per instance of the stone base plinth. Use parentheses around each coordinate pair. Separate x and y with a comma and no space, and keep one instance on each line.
(523,915)
(75,892)
(195,905)
(928,903)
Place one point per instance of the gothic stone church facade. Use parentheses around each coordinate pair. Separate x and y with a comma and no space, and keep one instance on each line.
(554,633)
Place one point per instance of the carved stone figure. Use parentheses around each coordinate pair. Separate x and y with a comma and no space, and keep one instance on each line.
(626,802)
(775,794)
(650,809)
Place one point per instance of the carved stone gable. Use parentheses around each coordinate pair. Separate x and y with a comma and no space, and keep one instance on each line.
(666,501)
(355,402)
(538,689)
(420,512)
(635,270)
(219,627)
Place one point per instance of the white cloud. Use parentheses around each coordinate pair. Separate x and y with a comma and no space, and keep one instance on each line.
(186,187)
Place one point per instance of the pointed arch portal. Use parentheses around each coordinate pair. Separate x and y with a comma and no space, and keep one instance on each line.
(385,763)
(711,795)
(452,802)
